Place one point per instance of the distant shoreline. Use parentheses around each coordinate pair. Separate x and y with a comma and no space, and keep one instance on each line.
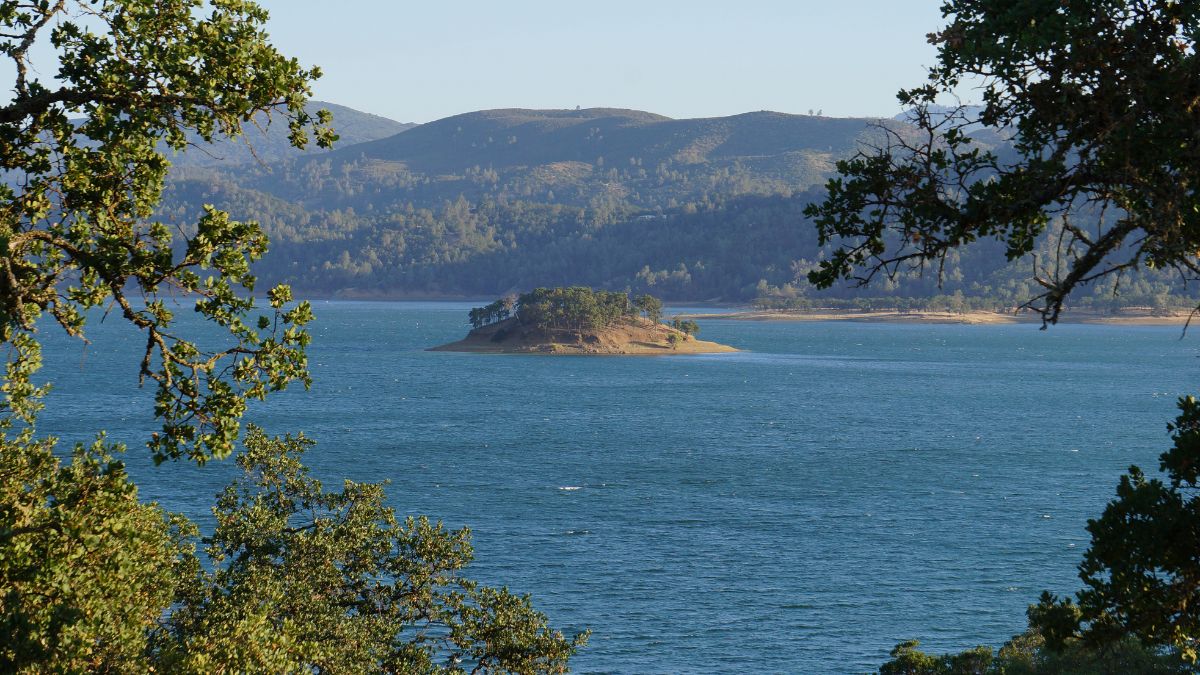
(1133,317)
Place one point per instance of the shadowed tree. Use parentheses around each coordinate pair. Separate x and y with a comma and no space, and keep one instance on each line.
(1101,101)
(650,307)
(1098,99)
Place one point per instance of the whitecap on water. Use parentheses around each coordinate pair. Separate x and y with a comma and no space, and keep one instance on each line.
(569,488)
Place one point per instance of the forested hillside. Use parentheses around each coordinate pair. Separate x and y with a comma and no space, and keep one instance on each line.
(495,201)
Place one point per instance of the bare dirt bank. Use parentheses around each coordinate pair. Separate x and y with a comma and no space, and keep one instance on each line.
(635,337)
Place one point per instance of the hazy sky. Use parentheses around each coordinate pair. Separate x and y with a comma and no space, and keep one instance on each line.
(420,61)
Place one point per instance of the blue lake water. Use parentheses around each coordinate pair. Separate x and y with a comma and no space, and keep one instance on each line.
(798,507)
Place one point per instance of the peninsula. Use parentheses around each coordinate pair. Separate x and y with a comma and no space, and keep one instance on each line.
(579,320)
(1133,316)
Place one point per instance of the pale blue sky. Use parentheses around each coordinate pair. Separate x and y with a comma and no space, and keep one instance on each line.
(697,58)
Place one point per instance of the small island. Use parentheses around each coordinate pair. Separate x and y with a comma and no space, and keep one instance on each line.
(579,320)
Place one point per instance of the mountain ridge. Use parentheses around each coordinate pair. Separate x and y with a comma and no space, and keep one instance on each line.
(265,139)
(501,138)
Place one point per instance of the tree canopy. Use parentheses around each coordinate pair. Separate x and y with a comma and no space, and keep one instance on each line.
(573,308)
(294,578)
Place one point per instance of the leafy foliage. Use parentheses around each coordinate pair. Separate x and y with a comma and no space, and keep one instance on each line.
(294,579)
(1142,567)
(301,579)
(75,212)
(85,568)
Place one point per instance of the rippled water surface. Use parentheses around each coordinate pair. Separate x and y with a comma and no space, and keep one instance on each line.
(798,507)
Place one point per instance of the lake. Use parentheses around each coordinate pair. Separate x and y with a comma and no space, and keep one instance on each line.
(801,506)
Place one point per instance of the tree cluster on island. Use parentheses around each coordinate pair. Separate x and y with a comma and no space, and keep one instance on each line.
(686,326)
(580,320)
(493,312)
(574,308)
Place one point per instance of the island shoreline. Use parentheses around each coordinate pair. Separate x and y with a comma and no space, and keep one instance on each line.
(632,337)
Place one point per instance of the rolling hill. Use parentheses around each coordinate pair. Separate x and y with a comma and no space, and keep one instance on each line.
(528,138)
(500,200)
(604,159)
